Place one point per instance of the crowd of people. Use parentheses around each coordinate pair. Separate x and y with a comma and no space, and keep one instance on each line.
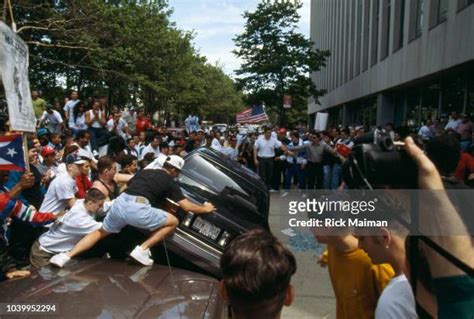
(90,164)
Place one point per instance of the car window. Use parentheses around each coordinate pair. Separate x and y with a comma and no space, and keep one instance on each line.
(210,175)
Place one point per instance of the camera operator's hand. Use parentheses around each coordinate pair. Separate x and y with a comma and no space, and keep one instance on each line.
(428,176)
(440,218)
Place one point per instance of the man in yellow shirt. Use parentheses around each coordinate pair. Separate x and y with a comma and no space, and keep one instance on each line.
(357,283)
(38,104)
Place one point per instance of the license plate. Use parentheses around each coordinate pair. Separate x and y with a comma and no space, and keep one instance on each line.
(205,228)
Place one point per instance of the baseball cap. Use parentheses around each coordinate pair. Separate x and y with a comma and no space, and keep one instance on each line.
(282,131)
(175,161)
(47,150)
(41,132)
(74,159)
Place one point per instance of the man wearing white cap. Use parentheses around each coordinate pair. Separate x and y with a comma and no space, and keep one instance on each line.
(137,207)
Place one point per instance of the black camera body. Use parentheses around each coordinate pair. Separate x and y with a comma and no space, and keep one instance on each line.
(376,161)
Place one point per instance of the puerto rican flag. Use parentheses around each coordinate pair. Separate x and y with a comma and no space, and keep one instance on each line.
(11,153)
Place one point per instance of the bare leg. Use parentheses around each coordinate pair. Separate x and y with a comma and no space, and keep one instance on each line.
(88,242)
(168,227)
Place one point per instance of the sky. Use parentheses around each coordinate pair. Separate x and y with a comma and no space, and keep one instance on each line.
(216,22)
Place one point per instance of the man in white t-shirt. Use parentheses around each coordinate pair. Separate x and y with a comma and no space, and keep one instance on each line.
(387,245)
(60,194)
(82,142)
(153,147)
(52,120)
(116,125)
(65,234)
(264,153)
(161,158)
(69,106)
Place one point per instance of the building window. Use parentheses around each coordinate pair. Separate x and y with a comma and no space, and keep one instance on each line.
(420,7)
(387,9)
(375,32)
(359,36)
(442,10)
(438,12)
(417,8)
(399,25)
(464,3)
(365,56)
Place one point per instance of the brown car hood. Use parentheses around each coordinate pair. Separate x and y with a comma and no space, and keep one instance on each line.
(118,289)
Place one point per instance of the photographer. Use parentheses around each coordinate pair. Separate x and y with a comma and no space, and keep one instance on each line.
(454,289)
(446,288)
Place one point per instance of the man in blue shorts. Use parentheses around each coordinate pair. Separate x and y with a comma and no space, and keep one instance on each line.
(137,207)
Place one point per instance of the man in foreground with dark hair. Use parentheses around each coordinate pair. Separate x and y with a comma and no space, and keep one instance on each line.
(257,270)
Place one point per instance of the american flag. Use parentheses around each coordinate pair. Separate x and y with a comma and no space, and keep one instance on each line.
(252,115)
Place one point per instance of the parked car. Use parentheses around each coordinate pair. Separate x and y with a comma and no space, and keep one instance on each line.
(241,200)
(109,288)
(220,127)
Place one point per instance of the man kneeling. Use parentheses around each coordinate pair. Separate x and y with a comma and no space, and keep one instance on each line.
(137,207)
(257,270)
(76,223)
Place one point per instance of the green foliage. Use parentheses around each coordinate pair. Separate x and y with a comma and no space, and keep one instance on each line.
(277,59)
(128,50)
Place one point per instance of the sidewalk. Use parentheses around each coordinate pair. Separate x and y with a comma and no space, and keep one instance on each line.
(314,297)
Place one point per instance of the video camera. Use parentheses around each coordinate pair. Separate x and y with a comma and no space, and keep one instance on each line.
(376,161)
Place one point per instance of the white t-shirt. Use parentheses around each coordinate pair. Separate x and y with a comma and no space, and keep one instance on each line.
(396,301)
(150,149)
(64,235)
(69,107)
(157,162)
(215,145)
(120,126)
(52,121)
(266,148)
(230,152)
(62,188)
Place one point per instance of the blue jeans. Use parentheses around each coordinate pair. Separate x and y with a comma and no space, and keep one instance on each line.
(327,176)
(127,211)
(336,175)
(99,137)
(294,169)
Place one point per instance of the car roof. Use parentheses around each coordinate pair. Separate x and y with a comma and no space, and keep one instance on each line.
(112,288)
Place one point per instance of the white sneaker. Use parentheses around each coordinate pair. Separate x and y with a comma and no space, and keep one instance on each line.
(285,194)
(142,256)
(60,260)
(272,190)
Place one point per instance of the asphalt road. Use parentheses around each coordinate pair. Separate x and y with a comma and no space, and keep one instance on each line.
(314,295)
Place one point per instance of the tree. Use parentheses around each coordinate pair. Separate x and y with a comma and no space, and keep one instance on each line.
(277,58)
(128,50)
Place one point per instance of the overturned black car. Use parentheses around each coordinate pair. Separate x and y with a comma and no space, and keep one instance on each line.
(240,198)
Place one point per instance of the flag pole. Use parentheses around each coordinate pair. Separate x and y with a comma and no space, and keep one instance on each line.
(25,152)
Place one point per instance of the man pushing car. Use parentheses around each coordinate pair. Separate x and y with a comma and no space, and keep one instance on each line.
(137,207)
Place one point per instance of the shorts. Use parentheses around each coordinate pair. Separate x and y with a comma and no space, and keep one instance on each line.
(38,257)
(127,211)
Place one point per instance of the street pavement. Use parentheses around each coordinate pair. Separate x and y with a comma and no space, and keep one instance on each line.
(314,297)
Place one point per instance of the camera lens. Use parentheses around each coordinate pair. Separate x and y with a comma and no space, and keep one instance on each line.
(386,143)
